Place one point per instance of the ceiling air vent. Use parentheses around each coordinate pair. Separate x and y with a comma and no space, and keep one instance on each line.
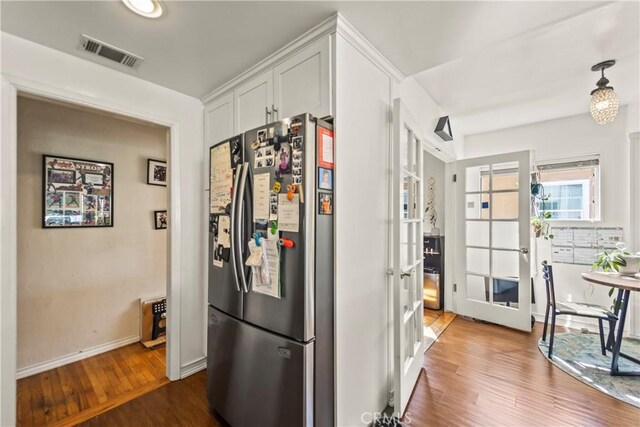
(107,51)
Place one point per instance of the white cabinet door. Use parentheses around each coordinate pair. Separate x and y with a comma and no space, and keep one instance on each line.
(218,119)
(302,83)
(253,101)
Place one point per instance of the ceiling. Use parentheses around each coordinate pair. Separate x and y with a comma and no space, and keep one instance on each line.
(472,57)
(541,74)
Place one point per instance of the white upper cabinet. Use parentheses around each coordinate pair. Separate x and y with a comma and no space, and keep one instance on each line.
(302,83)
(253,102)
(218,119)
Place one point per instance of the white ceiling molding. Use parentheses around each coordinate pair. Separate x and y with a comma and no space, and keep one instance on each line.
(335,24)
(349,32)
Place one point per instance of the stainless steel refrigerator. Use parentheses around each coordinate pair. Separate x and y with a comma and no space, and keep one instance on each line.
(270,356)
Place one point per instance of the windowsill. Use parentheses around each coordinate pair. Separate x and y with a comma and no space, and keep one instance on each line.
(574,221)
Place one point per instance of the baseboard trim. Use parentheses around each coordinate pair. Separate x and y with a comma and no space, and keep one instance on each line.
(193,367)
(579,324)
(74,357)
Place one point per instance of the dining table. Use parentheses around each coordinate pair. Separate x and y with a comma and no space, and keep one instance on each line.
(625,284)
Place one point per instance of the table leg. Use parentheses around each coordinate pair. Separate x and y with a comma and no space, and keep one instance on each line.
(616,311)
(624,304)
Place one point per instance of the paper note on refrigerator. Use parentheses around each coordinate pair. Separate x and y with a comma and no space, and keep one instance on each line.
(271,261)
(261,193)
(221,176)
(224,231)
(289,213)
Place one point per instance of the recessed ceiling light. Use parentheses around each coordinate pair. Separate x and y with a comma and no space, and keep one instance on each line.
(146,8)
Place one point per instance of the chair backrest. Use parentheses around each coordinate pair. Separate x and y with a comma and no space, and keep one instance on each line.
(547,274)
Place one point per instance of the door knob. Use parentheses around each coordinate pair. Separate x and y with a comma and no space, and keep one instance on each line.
(407,273)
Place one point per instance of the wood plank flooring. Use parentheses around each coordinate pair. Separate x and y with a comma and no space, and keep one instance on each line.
(430,316)
(482,374)
(435,322)
(180,403)
(475,374)
(78,391)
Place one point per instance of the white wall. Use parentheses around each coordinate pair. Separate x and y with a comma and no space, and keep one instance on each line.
(426,112)
(566,138)
(79,289)
(361,197)
(66,76)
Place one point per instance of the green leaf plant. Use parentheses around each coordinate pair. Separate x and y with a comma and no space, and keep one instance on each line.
(610,261)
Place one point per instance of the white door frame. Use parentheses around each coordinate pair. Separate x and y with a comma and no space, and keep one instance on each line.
(11,88)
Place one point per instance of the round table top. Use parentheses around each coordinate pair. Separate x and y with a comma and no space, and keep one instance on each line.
(615,280)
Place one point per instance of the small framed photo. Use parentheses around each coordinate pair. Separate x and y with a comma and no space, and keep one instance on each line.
(325,179)
(283,159)
(157,172)
(262,136)
(160,219)
(325,203)
(296,143)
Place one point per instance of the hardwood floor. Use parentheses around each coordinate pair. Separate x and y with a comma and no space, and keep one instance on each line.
(430,316)
(78,391)
(180,403)
(482,374)
(435,322)
(475,374)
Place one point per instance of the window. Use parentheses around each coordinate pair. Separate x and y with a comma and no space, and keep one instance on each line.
(572,189)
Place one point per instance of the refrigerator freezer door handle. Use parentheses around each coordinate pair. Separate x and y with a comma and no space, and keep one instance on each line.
(237,244)
(233,222)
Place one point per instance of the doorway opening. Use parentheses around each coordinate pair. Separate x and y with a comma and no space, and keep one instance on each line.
(436,319)
(92,247)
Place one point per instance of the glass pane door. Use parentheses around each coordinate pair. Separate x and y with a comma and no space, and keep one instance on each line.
(408,214)
(492,272)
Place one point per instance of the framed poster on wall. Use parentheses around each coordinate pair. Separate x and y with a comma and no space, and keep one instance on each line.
(76,193)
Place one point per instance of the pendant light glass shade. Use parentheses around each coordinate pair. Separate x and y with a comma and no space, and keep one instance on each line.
(604,105)
(604,101)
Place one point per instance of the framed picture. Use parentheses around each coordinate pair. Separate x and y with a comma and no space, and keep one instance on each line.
(325,179)
(325,203)
(160,219)
(156,172)
(76,192)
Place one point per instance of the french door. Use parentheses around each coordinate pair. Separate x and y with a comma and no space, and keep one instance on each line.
(492,265)
(408,214)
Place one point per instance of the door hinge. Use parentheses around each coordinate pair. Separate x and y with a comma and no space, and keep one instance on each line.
(455,287)
(455,177)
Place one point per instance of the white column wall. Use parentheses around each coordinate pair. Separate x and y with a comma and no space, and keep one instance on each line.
(362,129)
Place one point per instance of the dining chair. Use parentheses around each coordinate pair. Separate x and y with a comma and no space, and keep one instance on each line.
(579,309)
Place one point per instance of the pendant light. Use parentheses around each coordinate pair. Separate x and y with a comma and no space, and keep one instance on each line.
(604,101)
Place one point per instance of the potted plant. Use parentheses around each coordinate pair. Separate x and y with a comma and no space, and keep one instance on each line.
(540,225)
(609,260)
(539,216)
(618,261)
